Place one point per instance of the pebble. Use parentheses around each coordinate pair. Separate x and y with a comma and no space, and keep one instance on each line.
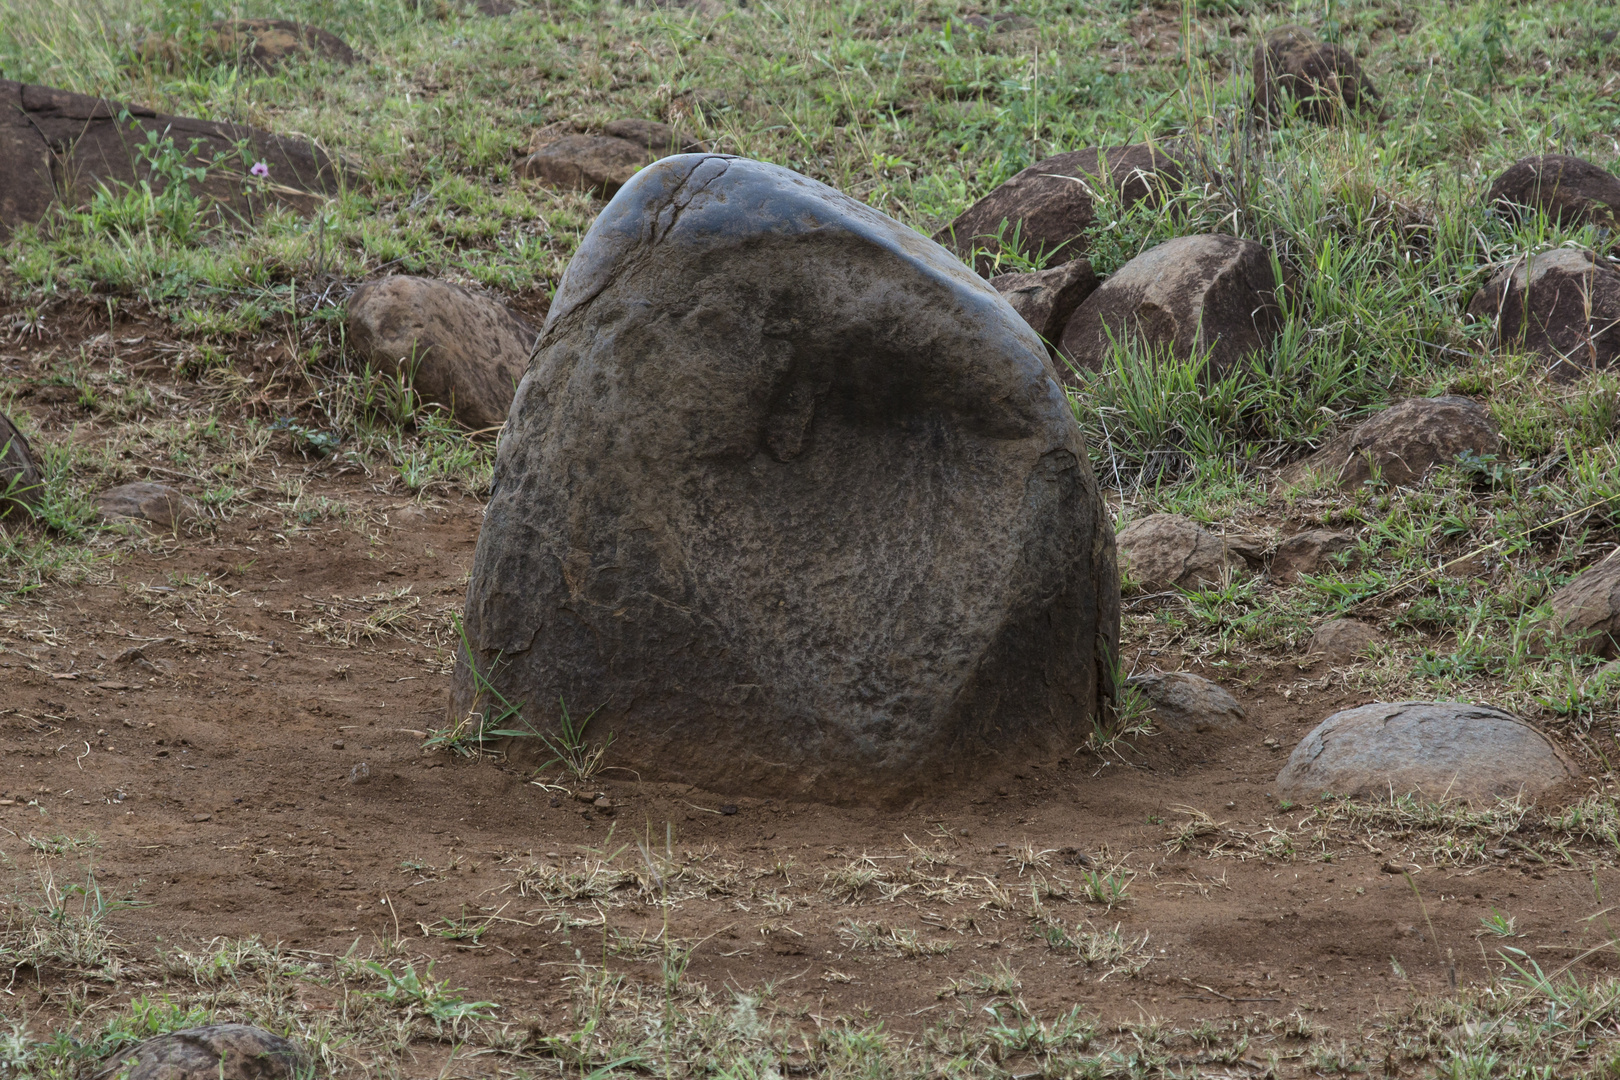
(360,774)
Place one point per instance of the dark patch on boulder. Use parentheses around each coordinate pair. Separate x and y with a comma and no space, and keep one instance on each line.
(1569,190)
(1403,442)
(1322,81)
(215,1052)
(1047,298)
(1563,305)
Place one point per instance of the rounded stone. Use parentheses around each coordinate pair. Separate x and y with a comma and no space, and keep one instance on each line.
(1167,551)
(1569,190)
(155,504)
(1402,443)
(1563,305)
(1343,640)
(1587,610)
(1182,702)
(1322,81)
(215,1052)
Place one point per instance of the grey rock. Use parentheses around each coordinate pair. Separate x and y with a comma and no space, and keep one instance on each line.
(156,504)
(20,481)
(1167,551)
(1442,750)
(1185,702)
(1342,640)
(215,1052)
(460,350)
(1563,305)
(795,500)
(1404,441)
(1045,299)
(1307,553)
(1587,610)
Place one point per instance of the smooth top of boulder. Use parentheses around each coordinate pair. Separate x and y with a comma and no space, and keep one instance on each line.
(20,478)
(1405,441)
(1168,551)
(1186,295)
(795,500)
(215,1052)
(1185,702)
(159,504)
(1443,750)
(1588,608)
(1322,80)
(1570,190)
(1562,304)
(1049,205)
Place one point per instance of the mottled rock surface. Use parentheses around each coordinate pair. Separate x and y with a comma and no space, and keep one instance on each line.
(1184,702)
(1167,551)
(1319,80)
(795,500)
(1403,442)
(1588,609)
(1047,298)
(215,1052)
(1307,553)
(600,164)
(156,504)
(1341,641)
(1569,190)
(1562,304)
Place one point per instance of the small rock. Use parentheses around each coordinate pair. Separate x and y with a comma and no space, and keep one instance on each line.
(360,773)
(651,135)
(1167,551)
(1444,750)
(1322,81)
(1403,442)
(156,504)
(728,809)
(215,1052)
(337,744)
(1186,702)
(1569,190)
(202,817)
(1588,609)
(1193,294)
(20,481)
(1046,298)
(263,43)
(1343,640)
(461,350)
(1562,304)
(602,802)
(601,164)
(1307,552)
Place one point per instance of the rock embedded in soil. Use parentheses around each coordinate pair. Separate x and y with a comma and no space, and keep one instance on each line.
(600,164)
(1190,295)
(215,1052)
(1185,702)
(1321,81)
(459,349)
(1442,750)
(155,504)
(56,145)
(795,500)
(262,43)
(1045,299)
(1167,551)
(1404,442)
(21,483)
(1587,610)
(1046,209)
(651,135)
(1307,553)
(1340,641)
(1563,305)
(1569,190)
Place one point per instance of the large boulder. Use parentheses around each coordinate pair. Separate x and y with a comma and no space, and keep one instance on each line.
(1587,610)
(1319,80)
(1046,298)
(20,479)
(794,501)
(1442,750)
(1563,305)
(1403,442)
(1188,295)
(215,1052)
(1569,190)
(56,145)
(1161,552)
(460,350)
(1182,702)
(158,505)
(1046,209)
(266,44)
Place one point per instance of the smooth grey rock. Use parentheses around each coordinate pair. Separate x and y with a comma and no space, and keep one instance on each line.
(215,1052)
(1186,702)
(1587,609)
(1404,441)
(1442,750)
(795,500)
(1167,551)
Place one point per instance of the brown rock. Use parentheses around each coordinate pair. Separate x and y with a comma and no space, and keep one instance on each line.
(1563,304)
(20,481)
(1045,209)
(215,1052)
(1167,551)
(55,144)
(460,350)
(1187,295)
(1307,553)
(661,139)
(1441,750)
(156,504)
(1184,702)
(262,43)
(1321,81)
(1587,610)
(796,499)
(1340,641)
(600,164)
(1404,441)
(1047,298)
(1569,190)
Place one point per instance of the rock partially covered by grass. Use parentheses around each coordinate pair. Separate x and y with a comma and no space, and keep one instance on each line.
(1167,551)
(457,349)
(1569,190)
(265,44)
(20,478)
(56,145)
(1563,305)
(1587,610)
(1442,750)
(1208,295)
(1322,81)
(1046,209)
(794,501)
(1403,442)
(215,1052)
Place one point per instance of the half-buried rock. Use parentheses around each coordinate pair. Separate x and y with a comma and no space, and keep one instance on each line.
(1404,442)
(1047,298)
(1319,80)
(1182,702)
(1569,190)
(20,480)
(1441,750)
(792,502)
(215,1052)
(158,505)
(1343,641)
(1208,295)
(1563,305)
(1161,552)
(1587,610)
(460,350)
(1046,209)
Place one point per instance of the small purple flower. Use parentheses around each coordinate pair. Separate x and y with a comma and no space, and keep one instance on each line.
(259,169)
